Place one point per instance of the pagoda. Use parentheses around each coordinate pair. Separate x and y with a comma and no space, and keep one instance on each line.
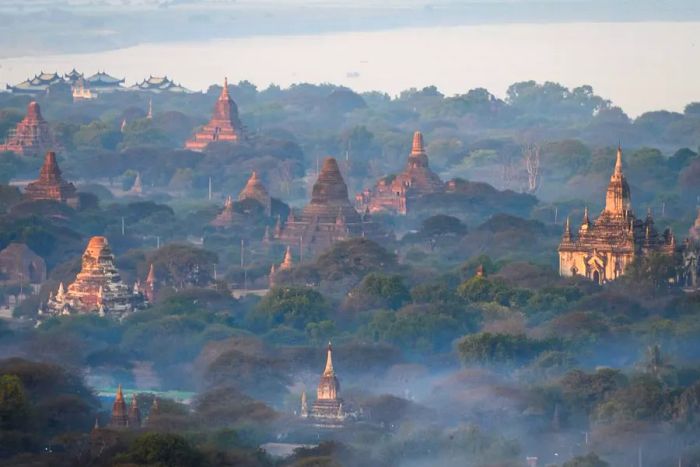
(120,416)
(31,136)
(327,410)
(149,290)
(255,190)
(329,217)
(223,126)
(98,287)
(50,185)
(287,264)
(603,249)
(395,193)
(227,215)
(134,414)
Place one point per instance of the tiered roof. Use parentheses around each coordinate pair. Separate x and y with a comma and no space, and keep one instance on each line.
(31,136)
(223,126)
(50,185)
(159,84)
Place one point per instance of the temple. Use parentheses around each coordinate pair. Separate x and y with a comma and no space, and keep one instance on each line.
(134,415)
(327,410)
(37,85)
(20,265)
(98,287)
(287,264)
(396,192)
(329,217)
(223,126)
(159,84)
(255,190)
(102,82)
(50,185)
(226,217)
(603,249)
(120,415)
(31,136)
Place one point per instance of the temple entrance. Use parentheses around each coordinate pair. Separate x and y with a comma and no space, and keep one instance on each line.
(596,277)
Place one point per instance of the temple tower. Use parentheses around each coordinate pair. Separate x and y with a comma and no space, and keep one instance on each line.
(120,417)
(50,185)
(603,249)
(223,126)
(31,136)
(254,189)
(134,413)
(328,405)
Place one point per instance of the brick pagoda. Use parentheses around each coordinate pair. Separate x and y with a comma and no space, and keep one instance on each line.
(223,126)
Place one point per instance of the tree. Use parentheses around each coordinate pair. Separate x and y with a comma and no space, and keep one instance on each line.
(589,460)
(291,306)
(354,257)
(500,348)
(378,291)
(184,265)
(14,405)
(164,449)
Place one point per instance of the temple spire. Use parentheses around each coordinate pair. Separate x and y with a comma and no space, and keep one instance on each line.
(224,92)
(288,261)
(618,162)
(418,147)
(329,361)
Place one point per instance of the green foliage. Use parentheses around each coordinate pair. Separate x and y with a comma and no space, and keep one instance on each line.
(378,291)
(291,306)
(164,450)
(355,257)
(589,460)
(487,348)
(14,405)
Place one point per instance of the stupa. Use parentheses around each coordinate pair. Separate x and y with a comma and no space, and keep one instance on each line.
(50,185)
(134,413)
(227,215)
(31,136)
(223,126)
(328,407)
(98,287)
(287,263)
(329,217)
(120,416)
(604,248)
(395,193)
(254,189)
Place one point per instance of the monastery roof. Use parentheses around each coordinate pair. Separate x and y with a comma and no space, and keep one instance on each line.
(103,79)
(159,83)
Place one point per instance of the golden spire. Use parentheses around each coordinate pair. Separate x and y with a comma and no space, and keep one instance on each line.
(288,262)
(417,143)
(328,371)
(151,277)
(224,92)
(120,394)
(618,162)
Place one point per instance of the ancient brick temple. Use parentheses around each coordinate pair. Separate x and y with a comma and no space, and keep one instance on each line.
(50,185)
(19,264)
(286,264)
(120,416)
(396,192)
(254,189)
(328,407)
(227,215)
(223,126)
(31,136)
(603,249)
(98,287)
(329,217)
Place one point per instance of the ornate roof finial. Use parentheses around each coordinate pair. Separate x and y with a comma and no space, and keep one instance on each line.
(120,394)
(328,371)
(618,161)
(224,92)
(418,147)
(288,262)
(586,219)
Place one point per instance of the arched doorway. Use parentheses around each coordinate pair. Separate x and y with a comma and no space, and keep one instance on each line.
(596,277)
